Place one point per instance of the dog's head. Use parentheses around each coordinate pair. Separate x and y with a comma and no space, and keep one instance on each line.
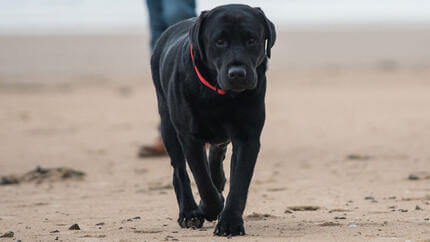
(232,41)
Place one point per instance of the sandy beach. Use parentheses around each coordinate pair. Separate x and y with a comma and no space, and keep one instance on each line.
(344,156)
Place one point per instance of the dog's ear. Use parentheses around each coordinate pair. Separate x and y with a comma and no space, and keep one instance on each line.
(270,32)
(194,36)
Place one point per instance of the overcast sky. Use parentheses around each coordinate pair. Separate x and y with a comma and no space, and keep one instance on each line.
(88,15)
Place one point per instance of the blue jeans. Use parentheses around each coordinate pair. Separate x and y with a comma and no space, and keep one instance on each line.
(163,13)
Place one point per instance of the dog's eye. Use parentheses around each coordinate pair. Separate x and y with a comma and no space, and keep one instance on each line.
(221,42)
(251,41)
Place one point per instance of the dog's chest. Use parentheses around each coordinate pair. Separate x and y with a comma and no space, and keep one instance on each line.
(212,125)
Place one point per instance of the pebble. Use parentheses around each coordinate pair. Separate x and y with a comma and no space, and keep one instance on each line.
(135,218)
(329,224)
(413,177)
(74,227)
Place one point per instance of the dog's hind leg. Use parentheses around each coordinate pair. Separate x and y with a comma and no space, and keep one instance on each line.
(216,158)
(190,215)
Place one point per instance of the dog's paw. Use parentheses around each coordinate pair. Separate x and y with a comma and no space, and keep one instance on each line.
(192,219)
(229,225)
(212,210)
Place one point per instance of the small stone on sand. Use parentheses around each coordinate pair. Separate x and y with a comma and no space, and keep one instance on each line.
(304,208)
(75,227)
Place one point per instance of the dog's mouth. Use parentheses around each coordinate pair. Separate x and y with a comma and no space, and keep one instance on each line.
(238,90)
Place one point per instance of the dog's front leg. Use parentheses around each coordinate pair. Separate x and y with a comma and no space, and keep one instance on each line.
(212,201)
(245,153)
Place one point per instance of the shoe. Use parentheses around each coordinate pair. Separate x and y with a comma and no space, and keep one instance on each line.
(153,150)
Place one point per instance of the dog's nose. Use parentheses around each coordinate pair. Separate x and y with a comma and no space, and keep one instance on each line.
(236,72)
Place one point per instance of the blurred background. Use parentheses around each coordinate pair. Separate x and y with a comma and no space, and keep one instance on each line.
(47,42)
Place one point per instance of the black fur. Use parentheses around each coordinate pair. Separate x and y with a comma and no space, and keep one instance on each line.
(229,44)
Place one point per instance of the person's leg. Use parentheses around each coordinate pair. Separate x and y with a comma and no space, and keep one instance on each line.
(162,14)
(178,10)
(157,23)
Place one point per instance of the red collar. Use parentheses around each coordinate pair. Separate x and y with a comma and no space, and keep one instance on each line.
(202,79)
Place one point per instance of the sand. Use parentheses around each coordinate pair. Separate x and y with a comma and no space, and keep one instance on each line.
(338,151)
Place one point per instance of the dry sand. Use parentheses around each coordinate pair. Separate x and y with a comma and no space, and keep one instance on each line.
(342,140)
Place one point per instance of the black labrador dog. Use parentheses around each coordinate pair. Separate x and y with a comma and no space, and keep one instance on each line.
(209,75)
